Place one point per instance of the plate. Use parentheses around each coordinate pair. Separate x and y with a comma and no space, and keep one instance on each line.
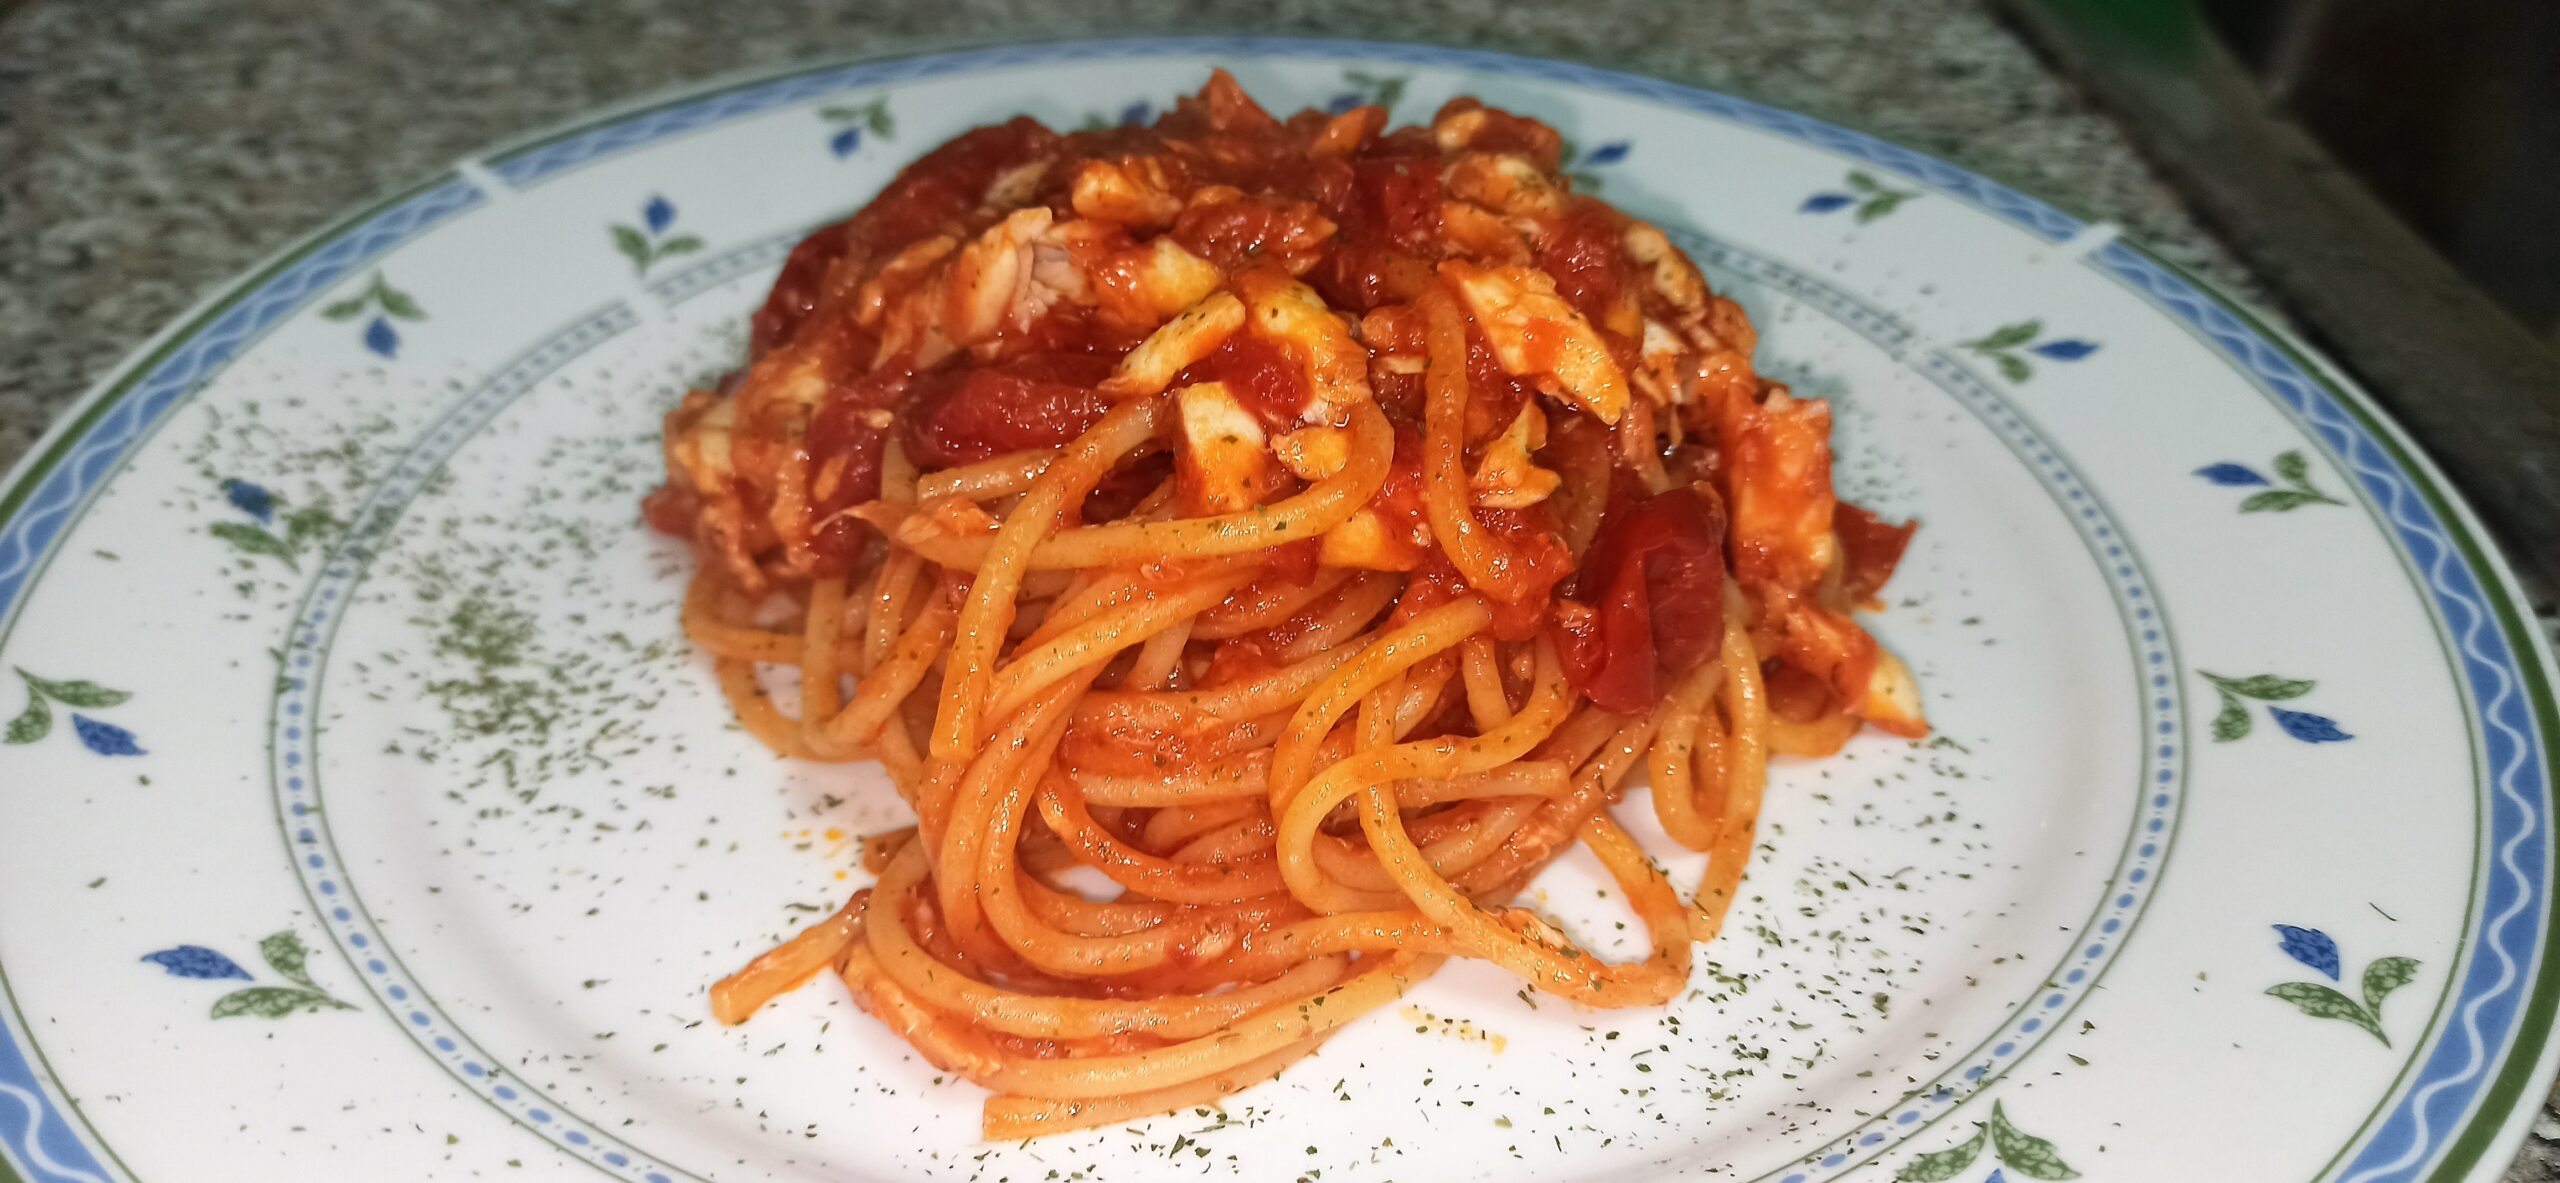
(366,816)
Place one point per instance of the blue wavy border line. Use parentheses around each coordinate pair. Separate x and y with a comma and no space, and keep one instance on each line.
(49,1151)
(2489,1005)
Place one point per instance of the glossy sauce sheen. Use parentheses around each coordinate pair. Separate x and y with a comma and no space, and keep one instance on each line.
(1366,224)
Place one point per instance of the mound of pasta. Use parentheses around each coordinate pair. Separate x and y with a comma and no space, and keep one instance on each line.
(1302,528)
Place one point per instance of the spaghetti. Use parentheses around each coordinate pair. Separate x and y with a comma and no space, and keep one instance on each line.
(1304,529)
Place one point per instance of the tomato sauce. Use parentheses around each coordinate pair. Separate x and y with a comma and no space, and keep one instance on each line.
(1652,599)
(1583,251)
(1869,550)
(961,416)
(932,195)
(1357,215)
(1267,376)
(1250,231)
(845,441)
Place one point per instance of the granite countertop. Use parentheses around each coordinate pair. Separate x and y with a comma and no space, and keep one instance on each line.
(151,149)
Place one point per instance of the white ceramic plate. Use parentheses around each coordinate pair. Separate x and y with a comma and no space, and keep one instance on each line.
(367,818)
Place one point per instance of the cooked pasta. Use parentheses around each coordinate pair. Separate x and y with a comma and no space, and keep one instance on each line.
(1305,528)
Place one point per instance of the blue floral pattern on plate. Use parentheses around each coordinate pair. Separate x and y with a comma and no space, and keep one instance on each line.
(1361,86)
(303,528)
(2316,949)
(2290,466)
(196,961)
(389,304)
(283,952)
(36,720)
(649,243)
(851,120)
(2233,722)
(1579,164)
(1871,198)
(2004,344)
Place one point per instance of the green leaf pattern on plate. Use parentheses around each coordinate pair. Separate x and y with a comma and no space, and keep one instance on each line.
(1875,199)
(2322,1002)
(303,529)
(2295,471)
(2023,1152)
(393,304)
(75,693)
(2381,978)
(377,293)
(32,724)
(2384,976)
(254,540)
(634,245)
(2234,721)
(35,721)
(2001,345)
(651,242)
(853,119)
(1937,1166)
(2013,1148)
(310,524)
(273,1002)
(285,954)
(1383,89)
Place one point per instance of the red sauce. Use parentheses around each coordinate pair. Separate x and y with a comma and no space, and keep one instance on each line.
(1361,275)
(1869,550)
(1237,660)
(1495,396)
(1252,230)
(1267,376)
(1118,734)
(1538,561)
(1399,200)
(1294,562)
(1583,252)
(1653,596)
(930,196)
(1359,219)
(964,415)
(1328,182)
(844,445)
(1535,552)
(1398,501)
(670,510)
(1794,695)
(796,291)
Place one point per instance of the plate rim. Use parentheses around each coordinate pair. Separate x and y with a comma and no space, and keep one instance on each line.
(2492,1120)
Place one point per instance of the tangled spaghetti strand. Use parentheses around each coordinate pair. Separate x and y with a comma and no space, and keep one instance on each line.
(1253,549)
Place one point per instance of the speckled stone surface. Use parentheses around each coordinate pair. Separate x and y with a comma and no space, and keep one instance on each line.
(150,149)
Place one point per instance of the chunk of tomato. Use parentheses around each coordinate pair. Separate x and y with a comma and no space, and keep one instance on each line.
(1039,400)
(1869,550)
(1653,600)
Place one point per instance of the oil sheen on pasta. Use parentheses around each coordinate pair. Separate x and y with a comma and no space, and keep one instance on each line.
(1307,527)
